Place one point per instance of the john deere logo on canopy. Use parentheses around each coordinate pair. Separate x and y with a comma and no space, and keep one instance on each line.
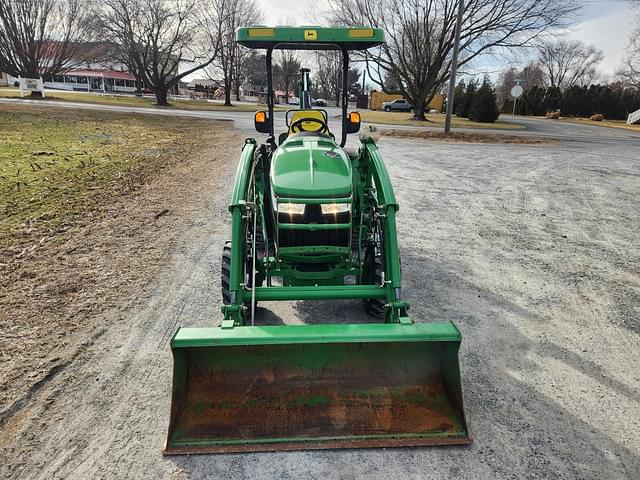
(310,35)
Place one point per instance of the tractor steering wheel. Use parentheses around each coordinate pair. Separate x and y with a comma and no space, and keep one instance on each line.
(296,127)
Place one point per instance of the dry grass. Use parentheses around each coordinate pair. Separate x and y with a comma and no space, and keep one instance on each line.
(433,120)
(461,137)
(133,101)
(603,123)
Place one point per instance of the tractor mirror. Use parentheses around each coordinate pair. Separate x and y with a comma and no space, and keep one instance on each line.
(353,122)
(261,122)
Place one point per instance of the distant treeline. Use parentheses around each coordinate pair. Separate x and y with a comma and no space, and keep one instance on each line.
(613,101)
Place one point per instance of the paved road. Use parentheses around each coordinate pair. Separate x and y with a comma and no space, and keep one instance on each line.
(244,120)
(532,250)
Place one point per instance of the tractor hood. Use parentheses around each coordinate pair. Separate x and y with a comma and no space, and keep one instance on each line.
(310,166)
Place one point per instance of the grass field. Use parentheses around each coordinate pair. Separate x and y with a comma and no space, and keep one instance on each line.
(57,165)
(434,120)
(132,101)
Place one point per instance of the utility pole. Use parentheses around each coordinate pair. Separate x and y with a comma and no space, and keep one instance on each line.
(454,68)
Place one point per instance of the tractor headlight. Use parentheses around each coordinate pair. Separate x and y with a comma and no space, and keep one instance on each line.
(334,208)
(291,208)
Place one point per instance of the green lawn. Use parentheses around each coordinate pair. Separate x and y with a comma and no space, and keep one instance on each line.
(133,101)
(55,164)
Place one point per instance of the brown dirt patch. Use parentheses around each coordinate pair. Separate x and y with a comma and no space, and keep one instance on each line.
(462,137)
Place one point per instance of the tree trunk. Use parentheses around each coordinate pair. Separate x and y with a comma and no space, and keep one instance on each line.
(418,113)
(419,108)
(227,94)
(237,92)
(161,96)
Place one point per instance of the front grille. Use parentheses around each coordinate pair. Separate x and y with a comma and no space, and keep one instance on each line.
(305,238)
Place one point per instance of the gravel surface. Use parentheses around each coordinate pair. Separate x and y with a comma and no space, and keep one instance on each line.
(532,250)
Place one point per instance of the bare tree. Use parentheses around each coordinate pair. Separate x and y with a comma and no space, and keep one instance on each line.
(328,74)
(159,37)
(532,76)
(250,14)
(227,69)
(629,73)
(42,36)
(568,62)
(245,12)
(419,36)
(390,84)
(287,71)
(507,80)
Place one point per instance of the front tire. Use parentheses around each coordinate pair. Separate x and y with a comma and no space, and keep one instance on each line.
(387,109)
(372,275)
(225,273)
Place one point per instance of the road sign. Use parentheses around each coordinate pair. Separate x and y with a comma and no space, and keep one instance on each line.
(516,91)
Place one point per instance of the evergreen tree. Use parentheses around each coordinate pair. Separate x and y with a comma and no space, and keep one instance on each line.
(533,101)
(614,101)
(458,95)
(551,100)
(484,107)
(507,105)
(464,105)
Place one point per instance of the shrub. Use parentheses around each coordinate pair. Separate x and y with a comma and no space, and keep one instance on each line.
(458,95)
(484,106)
(464,105)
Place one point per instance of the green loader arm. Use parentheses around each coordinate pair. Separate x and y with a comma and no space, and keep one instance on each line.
(388,206)
(238,206)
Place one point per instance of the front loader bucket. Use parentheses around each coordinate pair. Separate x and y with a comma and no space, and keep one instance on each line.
(315,386)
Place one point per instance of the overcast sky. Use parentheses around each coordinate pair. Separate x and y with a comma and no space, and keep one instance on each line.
(603,23)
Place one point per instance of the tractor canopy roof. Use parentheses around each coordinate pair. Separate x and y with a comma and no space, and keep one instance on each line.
(310,38)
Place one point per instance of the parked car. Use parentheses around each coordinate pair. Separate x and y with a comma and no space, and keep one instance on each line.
(398,105)
(294,101)
(319,102)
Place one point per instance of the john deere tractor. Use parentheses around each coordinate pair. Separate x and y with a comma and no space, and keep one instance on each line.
(312,222)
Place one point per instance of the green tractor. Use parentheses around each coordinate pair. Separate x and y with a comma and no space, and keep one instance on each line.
(310,221)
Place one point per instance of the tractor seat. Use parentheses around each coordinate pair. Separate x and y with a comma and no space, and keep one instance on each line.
(308,127)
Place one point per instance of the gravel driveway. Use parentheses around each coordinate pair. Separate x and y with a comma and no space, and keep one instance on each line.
(532,250)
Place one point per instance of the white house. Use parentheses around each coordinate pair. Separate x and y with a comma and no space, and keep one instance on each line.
(92,80)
